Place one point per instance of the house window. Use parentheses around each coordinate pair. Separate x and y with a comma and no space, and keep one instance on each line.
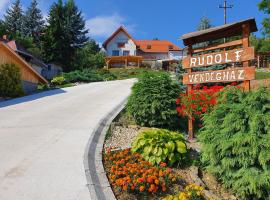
(121,45)
(125,53)
(115,53)
(149,46)
(170,47)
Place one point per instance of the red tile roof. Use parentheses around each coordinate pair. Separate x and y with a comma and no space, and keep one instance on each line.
(121,28)
(156,46)
(150,46)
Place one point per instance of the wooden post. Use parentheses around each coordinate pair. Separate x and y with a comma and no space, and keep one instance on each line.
(189,89)
(245,38)
(258,61)
(126,63)
(108,64)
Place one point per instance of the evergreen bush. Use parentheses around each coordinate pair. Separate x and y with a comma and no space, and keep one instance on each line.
(10,81)
(89,75)
(235,142)
(85,75)
(152,102)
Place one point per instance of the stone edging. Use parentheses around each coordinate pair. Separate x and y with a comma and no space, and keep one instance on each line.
(97,180)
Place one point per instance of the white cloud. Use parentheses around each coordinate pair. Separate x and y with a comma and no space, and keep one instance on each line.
(104,26)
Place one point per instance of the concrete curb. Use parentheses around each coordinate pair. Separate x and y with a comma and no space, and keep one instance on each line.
(97,180)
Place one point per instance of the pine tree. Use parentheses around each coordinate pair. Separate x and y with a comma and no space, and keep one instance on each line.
(64,34)
(3,28)
(204,24)
(265,7)
(34,23)
(14,19)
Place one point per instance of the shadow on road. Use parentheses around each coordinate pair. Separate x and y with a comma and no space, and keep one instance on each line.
(31,97)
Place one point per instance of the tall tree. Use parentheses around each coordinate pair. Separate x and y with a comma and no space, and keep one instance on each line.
(34,23)
(14,18)
(264,6)
(64,34)
(204,24)
(3,28)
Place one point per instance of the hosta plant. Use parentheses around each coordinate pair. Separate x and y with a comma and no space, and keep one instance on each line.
(160,145)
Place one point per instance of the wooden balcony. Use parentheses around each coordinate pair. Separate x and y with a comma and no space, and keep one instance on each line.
(123,61)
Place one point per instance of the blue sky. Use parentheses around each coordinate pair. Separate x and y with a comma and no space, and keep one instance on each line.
(148,19)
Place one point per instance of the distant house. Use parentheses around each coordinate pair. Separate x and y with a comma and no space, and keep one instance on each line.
(34,62)
(29,76)
(122,50)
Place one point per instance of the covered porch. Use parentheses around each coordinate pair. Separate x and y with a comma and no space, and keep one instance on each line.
(123,61)
(263,59)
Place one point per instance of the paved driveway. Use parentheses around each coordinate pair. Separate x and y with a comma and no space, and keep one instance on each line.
(43,139)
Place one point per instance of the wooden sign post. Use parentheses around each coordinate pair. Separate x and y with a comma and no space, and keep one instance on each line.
(237,51)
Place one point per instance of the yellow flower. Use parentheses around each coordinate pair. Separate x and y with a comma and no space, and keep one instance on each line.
(170,197)
(182,196)
(189,194)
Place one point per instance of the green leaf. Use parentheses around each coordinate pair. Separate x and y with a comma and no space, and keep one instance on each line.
(181,147)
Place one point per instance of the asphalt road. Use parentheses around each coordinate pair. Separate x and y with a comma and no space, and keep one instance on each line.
(43,138)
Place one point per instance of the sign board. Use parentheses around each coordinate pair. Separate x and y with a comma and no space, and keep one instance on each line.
(223,57)
(229,75)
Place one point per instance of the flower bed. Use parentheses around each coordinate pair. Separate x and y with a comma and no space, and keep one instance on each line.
(122,166)
(129,172)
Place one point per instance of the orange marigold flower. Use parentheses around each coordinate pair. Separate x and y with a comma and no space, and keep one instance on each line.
(163,164)
(150,180)
(142,188)
(125,187)
(132,187)
(164,188)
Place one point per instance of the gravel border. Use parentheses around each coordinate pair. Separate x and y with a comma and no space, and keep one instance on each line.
(97,181)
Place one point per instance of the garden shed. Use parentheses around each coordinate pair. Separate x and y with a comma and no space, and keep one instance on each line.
(29,77)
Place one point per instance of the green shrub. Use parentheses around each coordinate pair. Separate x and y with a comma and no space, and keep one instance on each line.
(43,87)
(160,145)
(57,81)
(86,75)
(106,75)
(10,81)
(152,102)
(235,142)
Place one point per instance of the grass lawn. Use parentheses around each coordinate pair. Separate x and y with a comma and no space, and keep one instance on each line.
(130,73)
(262,75)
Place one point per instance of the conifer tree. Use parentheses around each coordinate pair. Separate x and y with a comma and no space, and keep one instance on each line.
(235,142)
(64,34)
(204,24)
(34,23)
(14,19)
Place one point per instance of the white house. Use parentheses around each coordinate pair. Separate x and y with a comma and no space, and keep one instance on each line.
(123,50)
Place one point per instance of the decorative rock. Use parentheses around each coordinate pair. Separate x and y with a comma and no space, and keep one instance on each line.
(121,137)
